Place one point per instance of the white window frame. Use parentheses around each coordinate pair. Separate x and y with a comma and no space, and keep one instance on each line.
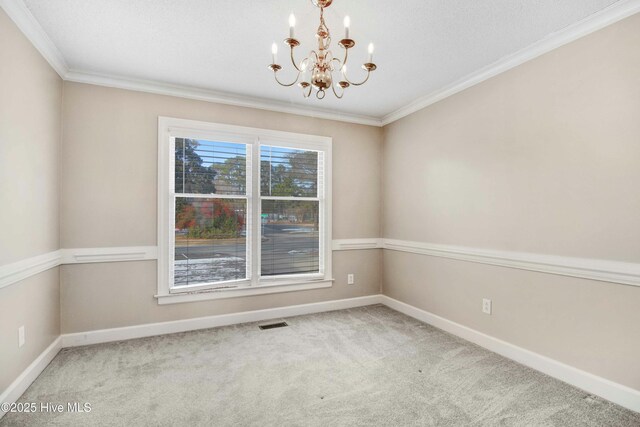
(171,128)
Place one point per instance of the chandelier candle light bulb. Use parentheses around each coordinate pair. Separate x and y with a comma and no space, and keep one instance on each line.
(321,62)
(292,24)
(347,23)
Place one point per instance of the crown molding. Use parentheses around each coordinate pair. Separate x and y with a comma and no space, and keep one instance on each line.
(610,15)
(30,27)
(216,97)
(21,15)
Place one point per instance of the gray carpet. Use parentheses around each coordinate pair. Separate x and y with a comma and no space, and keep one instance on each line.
(365,366)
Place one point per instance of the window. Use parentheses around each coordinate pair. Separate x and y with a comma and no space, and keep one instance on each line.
(241,211)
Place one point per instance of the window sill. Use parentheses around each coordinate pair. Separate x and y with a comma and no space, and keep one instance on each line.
(270,288)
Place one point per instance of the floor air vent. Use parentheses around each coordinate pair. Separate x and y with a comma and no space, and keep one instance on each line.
(273,325)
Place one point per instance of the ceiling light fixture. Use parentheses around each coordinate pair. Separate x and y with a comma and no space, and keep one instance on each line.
(321,63)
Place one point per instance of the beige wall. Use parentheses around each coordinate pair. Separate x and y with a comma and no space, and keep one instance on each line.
(108,178)
(30,102)
(30,126)
(97,296)
(544,159)
(35,304)
(540,159)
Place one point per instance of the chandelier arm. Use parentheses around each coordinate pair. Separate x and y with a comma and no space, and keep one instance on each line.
(305,61)
(293,61)
(338,61)
(357,84)
(275,74)
(346,56)
(333,87)
(306,92)
(328,57)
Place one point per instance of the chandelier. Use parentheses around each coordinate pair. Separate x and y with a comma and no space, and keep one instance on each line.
(316,70)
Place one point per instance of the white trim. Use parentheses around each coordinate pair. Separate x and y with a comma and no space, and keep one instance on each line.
(170,128)
(152,329)
(23,269)
(625,273)
(617,393)
(20,14)
(164,206)
(356,244)
(17,271)
(594,269)
(30,27)
(234,292)
(201,94)
(607,16)
(29,375)
(614,392)
(186,128)
(112,254)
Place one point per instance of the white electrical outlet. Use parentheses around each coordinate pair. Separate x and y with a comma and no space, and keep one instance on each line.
(351,279)
(21,336)
(486,306)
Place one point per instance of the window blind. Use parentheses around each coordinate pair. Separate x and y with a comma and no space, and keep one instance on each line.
(210,212)
(290,227)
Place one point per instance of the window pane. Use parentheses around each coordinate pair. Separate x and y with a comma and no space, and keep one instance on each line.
(210,167)
(290,242)
(288,172)
(210,239)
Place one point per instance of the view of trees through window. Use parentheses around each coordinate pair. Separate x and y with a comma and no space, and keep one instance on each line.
(211,211)
(290,228)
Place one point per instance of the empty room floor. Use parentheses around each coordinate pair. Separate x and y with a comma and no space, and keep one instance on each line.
(364,366)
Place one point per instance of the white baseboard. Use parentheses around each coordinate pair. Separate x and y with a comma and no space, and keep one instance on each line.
(20,385)
(614,392)
(151,329)
(28,376)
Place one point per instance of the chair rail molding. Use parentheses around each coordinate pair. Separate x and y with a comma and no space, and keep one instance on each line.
(356,244)
(112,254)
(625,273)
(20,270)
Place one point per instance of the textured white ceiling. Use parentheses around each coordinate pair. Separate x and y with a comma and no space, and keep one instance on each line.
(224,45)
